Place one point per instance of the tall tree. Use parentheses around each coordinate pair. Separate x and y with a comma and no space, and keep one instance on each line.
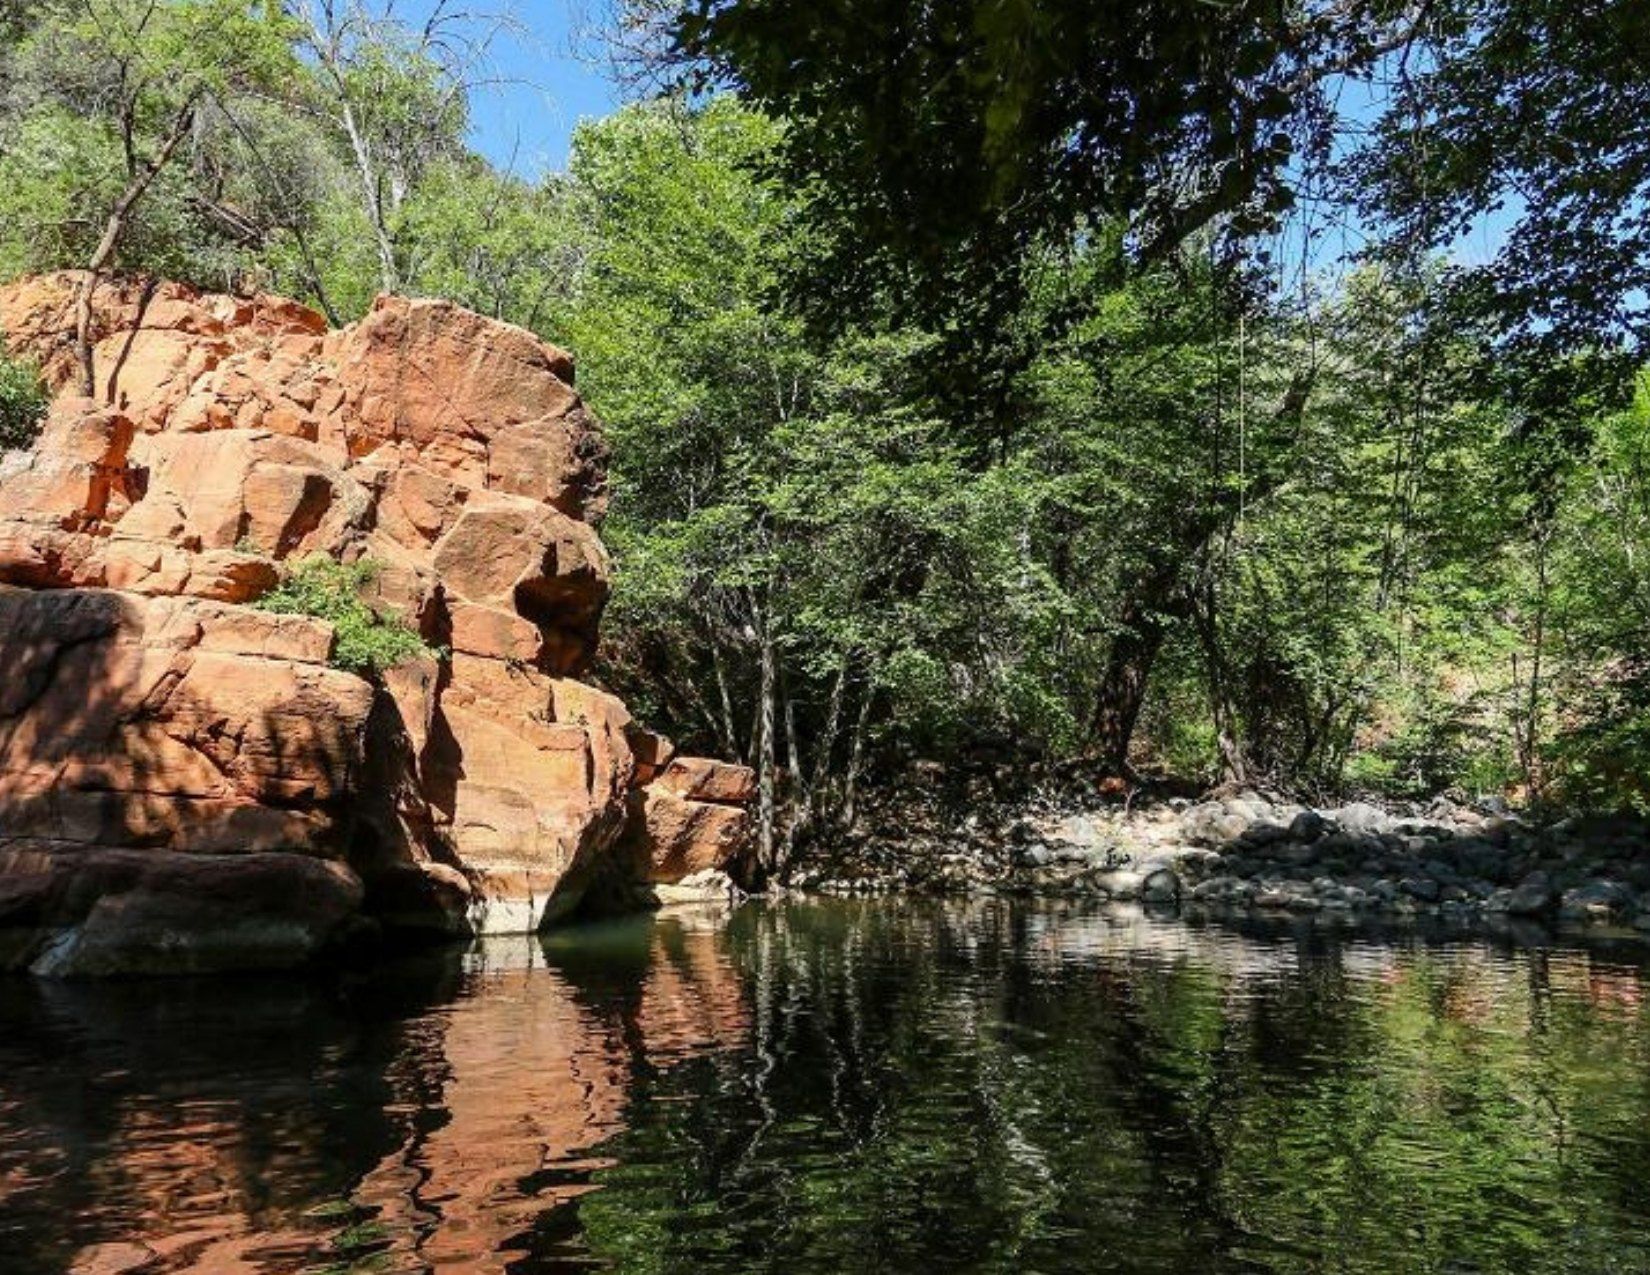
(143,71)
(398,94)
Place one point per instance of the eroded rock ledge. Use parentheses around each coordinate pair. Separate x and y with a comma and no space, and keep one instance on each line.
(186,783)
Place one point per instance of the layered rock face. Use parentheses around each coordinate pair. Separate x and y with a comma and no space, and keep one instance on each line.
(185,780)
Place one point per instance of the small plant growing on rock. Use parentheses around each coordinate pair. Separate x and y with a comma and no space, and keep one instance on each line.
(367,642)
(23,401)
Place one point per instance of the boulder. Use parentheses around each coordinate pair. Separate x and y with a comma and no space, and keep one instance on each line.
(1597,901)
(673,837)
(1307,826)
(67,910)
(1361,817)
(701,779)
(1158,883)
(153,711)
(173,722)
(1213,824)
(485,403)
(1533,896)
(699,888)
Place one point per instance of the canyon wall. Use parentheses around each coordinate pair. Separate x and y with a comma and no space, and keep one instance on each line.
(187,781)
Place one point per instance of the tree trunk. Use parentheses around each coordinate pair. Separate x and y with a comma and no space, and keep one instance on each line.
(1157,593)
(1234,764)
(113,231)
(765,757)
(389,276)
(856,756)
(827,741)
(726,728)
(1123,685)
(796,807)
(1529,739)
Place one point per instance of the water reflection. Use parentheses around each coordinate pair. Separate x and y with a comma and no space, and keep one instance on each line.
(854,1086)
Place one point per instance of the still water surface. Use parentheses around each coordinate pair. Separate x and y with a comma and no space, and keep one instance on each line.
(845,1087)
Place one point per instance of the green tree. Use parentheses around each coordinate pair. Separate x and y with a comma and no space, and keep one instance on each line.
(1519,110)
(710,402)
(117,90)
(23,401)
(944,150)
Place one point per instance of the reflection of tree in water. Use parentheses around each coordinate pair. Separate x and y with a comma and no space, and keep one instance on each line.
(996,1088)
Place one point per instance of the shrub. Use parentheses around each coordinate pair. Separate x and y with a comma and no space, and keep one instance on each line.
(367,641)
(23,402)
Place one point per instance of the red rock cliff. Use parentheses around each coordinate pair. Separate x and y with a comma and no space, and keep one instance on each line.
(185,781)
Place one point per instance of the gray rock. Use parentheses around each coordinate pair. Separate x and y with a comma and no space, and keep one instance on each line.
(1309,825)
(1360,816)
(1423,888)
(1160,886)
(1250,806)
(1264,834)
(1212,824)
(1597,901)
(1532,896)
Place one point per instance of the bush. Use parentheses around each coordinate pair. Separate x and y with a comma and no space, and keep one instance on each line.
(367,642)
(23,402)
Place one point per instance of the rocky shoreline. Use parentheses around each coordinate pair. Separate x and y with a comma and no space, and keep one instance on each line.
(1249,856)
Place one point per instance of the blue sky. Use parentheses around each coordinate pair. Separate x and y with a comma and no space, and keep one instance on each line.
(551,77)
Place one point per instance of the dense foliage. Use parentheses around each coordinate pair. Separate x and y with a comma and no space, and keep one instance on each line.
(957,407)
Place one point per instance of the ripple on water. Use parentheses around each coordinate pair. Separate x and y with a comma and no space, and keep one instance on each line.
(850,1086)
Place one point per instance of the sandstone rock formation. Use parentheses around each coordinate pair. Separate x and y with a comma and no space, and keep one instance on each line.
(163,742)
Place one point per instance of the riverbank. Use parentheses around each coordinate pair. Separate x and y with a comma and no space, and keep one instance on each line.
(1248,854)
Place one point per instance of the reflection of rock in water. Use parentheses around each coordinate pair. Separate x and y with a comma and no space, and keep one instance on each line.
(429,1117)
(188,1122)
(524,1080)
(532,1074)
(839,1087)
